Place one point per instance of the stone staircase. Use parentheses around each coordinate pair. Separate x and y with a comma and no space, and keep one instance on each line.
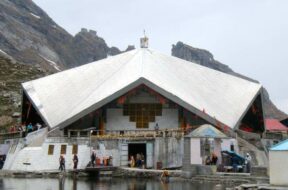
(259,157)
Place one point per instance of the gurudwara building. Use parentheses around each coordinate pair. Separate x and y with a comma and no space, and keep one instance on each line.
(140,101)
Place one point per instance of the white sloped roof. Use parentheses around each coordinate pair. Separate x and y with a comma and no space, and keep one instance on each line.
(64,97)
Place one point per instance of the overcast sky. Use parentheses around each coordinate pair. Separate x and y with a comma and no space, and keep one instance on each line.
(249,36)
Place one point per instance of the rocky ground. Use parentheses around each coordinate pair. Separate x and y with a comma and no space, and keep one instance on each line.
(12,74)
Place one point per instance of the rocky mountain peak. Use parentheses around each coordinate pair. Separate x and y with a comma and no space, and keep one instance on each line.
(30,36)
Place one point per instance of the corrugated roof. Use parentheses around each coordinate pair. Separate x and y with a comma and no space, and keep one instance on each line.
(280,146)
(207,131)
(64,97)
(274,125)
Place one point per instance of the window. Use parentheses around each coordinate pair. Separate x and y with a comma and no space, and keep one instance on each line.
(75,149)
(142,114)
(50,149)
(63,149)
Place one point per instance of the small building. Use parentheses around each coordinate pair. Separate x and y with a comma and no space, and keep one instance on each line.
(206,140)
(273,125)
(275,132)
(278,164)
(202,143)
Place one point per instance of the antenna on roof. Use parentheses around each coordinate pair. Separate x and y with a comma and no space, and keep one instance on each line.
(144,41)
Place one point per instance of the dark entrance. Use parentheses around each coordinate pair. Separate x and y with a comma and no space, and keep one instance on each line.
(137,148)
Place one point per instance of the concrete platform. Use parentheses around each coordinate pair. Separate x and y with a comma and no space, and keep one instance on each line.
(260,186)
(100,168)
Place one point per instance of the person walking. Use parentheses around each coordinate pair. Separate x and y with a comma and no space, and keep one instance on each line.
(62,163)
(93,158)
(75,161)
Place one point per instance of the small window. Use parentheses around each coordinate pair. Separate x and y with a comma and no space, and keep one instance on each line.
(63,149)
(75,149)
(232,147)
(50,149)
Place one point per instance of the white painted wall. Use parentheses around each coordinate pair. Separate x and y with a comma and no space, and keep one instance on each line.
(40,160)
(225,144)
(116,120)
(4,148)
(278,167)
(217,149)
(12,154)
(195,150)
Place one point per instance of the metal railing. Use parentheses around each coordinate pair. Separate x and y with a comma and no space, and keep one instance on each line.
(12,135)
(178,133)
(114,134)
(275,135)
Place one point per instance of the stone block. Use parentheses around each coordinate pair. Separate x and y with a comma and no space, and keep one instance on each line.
(204,170)
(259,171)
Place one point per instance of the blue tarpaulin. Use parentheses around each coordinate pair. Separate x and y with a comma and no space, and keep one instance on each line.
(240,159)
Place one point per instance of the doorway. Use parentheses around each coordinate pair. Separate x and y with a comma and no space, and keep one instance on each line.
(137,148)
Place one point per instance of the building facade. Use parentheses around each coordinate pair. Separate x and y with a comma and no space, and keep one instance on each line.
(138,102)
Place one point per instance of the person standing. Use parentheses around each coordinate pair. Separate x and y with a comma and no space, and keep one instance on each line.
(132,161)
(30,128)
(75,161)
(142,160)
(214,159)
(138,160)
(248,162)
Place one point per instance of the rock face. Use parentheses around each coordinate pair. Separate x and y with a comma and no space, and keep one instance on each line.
(12,74)
(30,36)
(205,58)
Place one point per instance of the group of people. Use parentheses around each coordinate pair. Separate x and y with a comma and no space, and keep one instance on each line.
(62,162)
(243,166)
(211,160)
(25,128)
(139,162)
(237,163)
(103,161)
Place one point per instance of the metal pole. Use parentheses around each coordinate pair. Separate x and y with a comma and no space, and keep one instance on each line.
(90,142)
